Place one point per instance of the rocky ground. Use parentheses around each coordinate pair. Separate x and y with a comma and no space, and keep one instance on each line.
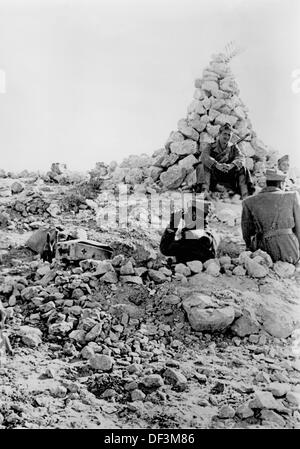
(135,341)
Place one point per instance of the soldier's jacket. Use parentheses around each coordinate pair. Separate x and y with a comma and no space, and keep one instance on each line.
(271,222)
(214,153)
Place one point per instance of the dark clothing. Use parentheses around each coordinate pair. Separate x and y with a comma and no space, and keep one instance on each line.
(271,222)
(238,178)
(186,250)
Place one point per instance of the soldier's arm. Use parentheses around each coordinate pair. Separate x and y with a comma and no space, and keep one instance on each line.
(248,228)
(238,157)
(296,213)
(206,158)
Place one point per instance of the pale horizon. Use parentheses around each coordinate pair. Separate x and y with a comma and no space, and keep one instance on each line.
(89,81)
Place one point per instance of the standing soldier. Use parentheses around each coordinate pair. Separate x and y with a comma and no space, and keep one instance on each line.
(271,220)
(222,162)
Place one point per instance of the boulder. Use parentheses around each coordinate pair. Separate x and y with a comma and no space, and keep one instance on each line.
(198,300)
(110,277)
(101,362)
(247,324)
(187,163)
(182,269)
(279,389)
(212,267)
(127,268)
(176,378)
(210,319)
(188,131)
(173,177)
(16,188)
(102,267)
(195,106)
(284,269)
(152,381)
(184,148)
(255,269)
(195,266)
(157,276)
(239,271)
(264,400)
(31,336)
(210,86)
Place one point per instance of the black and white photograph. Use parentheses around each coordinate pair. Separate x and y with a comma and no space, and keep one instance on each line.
(150,217)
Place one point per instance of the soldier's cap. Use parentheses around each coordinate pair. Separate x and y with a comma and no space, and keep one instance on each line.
(226,127)
(284,158)
(275,175)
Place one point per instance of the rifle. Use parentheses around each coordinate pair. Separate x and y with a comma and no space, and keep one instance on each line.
(242,139)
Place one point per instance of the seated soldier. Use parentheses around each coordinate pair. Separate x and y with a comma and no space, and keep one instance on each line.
(196,242)
(223,163)
(271,220)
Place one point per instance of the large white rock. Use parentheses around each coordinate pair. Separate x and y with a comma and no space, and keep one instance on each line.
(210,86)
(183,269)
(247,324)
(213,114)
(175,136)
(279,326)
(255,269)
(213,130)
(196,106)
(264,400)
(187,131)
(101,362)
(265,257)
(184,148)
(284,269)
(155,172)
(188,163)
(211,320)
(206,102)
(206,138)
(212,267)
(31,336)
(221,119)
(198,300)
(103,266)
(195,266)
(239,112)
(173,177)
(198,94)
(16,187)
(229,85)
(199,123)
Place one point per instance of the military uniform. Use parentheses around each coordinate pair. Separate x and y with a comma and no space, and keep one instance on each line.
(238,177)
(271,222)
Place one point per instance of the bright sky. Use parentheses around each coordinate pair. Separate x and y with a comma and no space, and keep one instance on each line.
(91,81)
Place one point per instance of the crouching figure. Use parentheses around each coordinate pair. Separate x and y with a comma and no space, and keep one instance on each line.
(196,241)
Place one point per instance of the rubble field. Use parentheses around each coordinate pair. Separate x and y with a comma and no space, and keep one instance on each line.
(135,341)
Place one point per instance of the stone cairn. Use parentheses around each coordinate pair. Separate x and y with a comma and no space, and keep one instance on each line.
(216,101)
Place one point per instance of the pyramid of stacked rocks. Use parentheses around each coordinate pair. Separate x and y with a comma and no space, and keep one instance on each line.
(216,101)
